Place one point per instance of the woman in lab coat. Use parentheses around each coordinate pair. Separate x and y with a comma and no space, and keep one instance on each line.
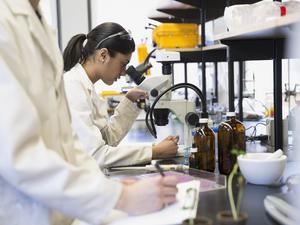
(44,178)
(103,54)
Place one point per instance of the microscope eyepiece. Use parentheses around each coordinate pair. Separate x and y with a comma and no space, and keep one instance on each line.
(137,73)
(136,76)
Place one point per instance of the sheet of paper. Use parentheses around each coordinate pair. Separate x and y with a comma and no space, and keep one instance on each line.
(185,207)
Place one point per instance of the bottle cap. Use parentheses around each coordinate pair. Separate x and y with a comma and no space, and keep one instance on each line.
(230,114)
(203,120)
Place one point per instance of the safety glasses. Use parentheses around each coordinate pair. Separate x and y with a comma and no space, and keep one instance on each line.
(124,35)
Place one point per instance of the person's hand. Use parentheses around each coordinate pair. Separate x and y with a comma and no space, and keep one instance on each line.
(148,195)
(166,148)
(136,94)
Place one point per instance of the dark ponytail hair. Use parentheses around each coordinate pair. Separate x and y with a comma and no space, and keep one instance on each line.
(75,51)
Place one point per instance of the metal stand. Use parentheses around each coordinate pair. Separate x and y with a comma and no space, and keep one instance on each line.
(241,90)
(277,89)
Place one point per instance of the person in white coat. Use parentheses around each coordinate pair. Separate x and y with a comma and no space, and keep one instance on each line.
(44,178)
(103,54)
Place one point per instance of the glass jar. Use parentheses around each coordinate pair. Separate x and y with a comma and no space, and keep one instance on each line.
(205,143)
(231,135)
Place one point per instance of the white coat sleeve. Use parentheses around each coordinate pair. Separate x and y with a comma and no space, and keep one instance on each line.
(79,189)
(90,136)
(120,122)
(123,155)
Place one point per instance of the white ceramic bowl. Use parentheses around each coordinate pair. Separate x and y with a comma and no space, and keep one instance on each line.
(257,170)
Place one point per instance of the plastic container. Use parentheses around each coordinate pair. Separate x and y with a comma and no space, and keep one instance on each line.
(231,135)
(292,7)
(238,16)
(205,143)
(142,52)
(175,35)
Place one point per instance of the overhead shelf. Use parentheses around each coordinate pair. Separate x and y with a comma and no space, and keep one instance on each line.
(216,4)
(180,10)
(192,13)
(206,48)
(167,18)
(189,12)
(212,53)
(191,9)
(256,42)
(277,28)
(172,20)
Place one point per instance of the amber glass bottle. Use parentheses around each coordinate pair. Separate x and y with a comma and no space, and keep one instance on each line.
(205,142)
(231,135)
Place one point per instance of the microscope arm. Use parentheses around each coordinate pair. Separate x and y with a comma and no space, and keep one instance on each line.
(172,88)
(179,107)
(182,109)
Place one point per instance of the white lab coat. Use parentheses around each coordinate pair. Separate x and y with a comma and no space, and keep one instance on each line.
(42,173)
(99,134)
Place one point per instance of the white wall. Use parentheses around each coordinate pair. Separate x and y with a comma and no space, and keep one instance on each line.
(74,19)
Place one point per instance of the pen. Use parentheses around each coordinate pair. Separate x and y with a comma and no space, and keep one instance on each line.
(160,170)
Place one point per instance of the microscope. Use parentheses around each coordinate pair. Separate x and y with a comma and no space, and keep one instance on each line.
(160,98)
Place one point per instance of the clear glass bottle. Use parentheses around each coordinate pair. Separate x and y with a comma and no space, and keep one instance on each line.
(205,142)
(193,159)
(187,151)
(231,135)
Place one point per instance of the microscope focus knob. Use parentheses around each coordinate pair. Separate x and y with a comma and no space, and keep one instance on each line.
(154,92)
(191,118)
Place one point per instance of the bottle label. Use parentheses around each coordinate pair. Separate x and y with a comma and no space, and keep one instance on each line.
(193,150)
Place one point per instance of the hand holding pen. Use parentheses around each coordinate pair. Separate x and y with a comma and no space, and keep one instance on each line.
(149,194)
(168,183)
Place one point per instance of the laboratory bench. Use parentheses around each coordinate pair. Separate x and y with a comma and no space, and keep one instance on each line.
(211,202)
